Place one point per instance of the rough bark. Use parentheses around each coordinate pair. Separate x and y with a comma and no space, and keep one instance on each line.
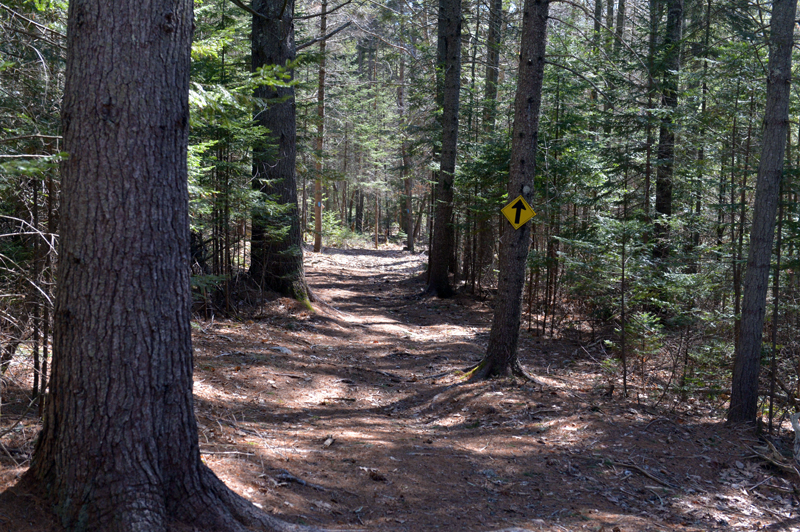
(119,450)
(501,355)
(744,389)
(276,253)
(666,134)
(448,87)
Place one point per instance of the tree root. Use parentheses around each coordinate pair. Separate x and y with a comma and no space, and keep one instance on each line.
(432,291)
(485,370)
(229,512)
(212,508)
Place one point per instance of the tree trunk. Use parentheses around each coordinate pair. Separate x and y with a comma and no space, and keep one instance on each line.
(448,87)
(323,28)
(408,179)
(360,211)
(655,8)
(620,30)
(119,450)
(666,134)
(501,355)
(744,389)
(492,64)
(485,229)
(276,258)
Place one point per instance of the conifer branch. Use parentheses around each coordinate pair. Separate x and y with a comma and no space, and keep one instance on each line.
(250,9)
(328,12)
(324,37)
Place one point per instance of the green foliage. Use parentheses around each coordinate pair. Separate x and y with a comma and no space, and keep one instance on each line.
(338,235)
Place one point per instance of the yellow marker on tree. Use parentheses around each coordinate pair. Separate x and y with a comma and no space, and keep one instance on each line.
(518,212)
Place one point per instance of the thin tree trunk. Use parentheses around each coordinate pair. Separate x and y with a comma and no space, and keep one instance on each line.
(408,179)
(620,30)
(448,86)
(501,355)
(360,211)
(485,227)
(323,28)
(776,304)
(744,388)
(492,65)
(418,225)
(666,135)
(738,250)
(36,270)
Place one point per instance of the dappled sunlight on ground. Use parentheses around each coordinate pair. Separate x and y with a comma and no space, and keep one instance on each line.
(358,416)
(370,419)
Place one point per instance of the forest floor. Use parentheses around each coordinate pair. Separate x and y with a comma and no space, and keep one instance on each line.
(356,416)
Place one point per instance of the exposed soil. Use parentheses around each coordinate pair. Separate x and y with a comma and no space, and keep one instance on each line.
(356,417)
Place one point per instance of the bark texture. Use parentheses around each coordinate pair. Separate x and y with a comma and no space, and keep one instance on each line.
(118,451)
(666,134)
(501,355)
(276,254)
(448,88)
(744,390)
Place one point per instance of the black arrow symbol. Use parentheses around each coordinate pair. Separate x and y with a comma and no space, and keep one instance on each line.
(519,206)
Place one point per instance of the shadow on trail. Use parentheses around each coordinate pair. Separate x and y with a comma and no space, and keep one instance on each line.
(413,452)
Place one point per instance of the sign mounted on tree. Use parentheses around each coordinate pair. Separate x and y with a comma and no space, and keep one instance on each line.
(518,212)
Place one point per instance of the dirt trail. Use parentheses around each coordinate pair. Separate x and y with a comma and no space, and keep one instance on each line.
(356,417)
(413,450)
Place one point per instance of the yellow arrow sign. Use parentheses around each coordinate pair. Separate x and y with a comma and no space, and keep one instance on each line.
(518,212)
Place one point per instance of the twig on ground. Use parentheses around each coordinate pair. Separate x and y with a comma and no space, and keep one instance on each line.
(646,473)
(285,476)
(656,420)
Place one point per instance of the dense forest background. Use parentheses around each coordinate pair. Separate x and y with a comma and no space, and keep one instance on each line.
(650,138)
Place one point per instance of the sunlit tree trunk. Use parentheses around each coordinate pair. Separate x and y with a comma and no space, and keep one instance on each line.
(323,27)
(744,389)
(408,179)
(118,451)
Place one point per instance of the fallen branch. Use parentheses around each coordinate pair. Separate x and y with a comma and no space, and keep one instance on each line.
(285,476)
(25,413)
(646,473)
(772,455)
